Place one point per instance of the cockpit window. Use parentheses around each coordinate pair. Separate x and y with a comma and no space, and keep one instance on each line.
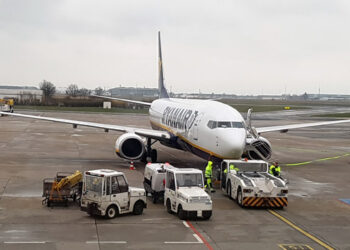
(237,125)
(224,124)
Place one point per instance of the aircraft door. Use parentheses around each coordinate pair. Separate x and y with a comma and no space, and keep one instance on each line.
(196,126)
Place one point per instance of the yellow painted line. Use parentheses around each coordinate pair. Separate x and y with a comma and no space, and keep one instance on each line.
(322,159)
(318,241)
(294,246)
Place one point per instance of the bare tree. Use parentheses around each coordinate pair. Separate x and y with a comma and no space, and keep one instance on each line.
(48,89)
(72,90)
(99,91)
(84,92)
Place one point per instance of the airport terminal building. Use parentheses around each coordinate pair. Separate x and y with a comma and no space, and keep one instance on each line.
(20,93)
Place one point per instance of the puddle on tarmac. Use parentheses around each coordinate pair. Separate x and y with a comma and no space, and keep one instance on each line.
(301,187)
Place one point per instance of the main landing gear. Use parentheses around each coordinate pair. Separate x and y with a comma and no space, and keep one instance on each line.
(150,153)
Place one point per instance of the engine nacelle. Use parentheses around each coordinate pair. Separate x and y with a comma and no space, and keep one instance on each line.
(258,149)
(130,146)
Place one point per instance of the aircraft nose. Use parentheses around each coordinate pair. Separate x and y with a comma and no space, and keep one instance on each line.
(235,143)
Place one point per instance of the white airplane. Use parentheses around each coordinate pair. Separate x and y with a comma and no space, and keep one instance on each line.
(206,128)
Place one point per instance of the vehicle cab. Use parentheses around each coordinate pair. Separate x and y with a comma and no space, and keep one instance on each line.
(107,193)
(185,195)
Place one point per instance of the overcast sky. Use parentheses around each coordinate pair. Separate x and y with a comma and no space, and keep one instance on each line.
(221,46)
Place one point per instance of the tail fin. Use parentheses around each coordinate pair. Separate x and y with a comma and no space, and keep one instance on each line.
(161,88)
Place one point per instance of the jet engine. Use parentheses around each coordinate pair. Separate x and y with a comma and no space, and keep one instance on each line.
(258,149)
(130,146)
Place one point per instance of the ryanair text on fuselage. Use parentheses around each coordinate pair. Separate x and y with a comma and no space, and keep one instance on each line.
(179,118)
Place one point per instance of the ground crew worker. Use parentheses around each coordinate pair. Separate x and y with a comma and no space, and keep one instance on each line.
(232,167)
(208,176)
(275,169)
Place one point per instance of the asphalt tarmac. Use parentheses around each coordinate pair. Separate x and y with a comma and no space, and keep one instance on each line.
(316,217)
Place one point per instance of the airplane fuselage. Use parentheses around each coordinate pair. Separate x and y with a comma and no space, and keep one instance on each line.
(204,127)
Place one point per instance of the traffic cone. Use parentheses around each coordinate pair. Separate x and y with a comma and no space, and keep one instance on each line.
(132,167)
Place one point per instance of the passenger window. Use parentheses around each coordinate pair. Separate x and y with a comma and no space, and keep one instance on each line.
(123,186)
(115,186)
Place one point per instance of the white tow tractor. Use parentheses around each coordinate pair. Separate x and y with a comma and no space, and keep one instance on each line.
(184,193)
(107,193)
(252,185)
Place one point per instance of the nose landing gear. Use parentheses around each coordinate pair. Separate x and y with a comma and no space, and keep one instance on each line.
(150,154)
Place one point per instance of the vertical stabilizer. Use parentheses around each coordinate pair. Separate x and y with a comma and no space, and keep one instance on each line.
(161,88)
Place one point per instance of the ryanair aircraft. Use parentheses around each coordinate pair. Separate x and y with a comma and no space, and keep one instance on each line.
(206,128)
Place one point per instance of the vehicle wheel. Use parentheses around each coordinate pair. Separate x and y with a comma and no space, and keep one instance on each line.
(181,213)
(239,197)
(111,212)
(48,203)
(168,207)
(154,198)
(229,190)
(154,155)
(207,215)
(138,208)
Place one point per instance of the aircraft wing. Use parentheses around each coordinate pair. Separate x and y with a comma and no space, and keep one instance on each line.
(285,128)
(149,133)
(124,100)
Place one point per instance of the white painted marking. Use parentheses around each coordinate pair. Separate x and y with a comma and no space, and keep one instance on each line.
(198,238)
(106,242)
(154,219)
(15,231)
(199,241)
(185,223)
(24,242)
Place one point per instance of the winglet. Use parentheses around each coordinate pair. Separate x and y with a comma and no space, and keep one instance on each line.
(161,88)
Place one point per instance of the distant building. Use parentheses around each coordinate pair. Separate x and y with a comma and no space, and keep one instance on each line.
(22,94)
(129,92)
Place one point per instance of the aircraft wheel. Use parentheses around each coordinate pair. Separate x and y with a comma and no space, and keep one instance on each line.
(144,158)
(154,155)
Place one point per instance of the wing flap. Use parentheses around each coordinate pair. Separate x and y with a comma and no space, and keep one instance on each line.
(159,135)
(284,128)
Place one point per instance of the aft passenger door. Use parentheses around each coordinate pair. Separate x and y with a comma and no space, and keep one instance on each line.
(120,192)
